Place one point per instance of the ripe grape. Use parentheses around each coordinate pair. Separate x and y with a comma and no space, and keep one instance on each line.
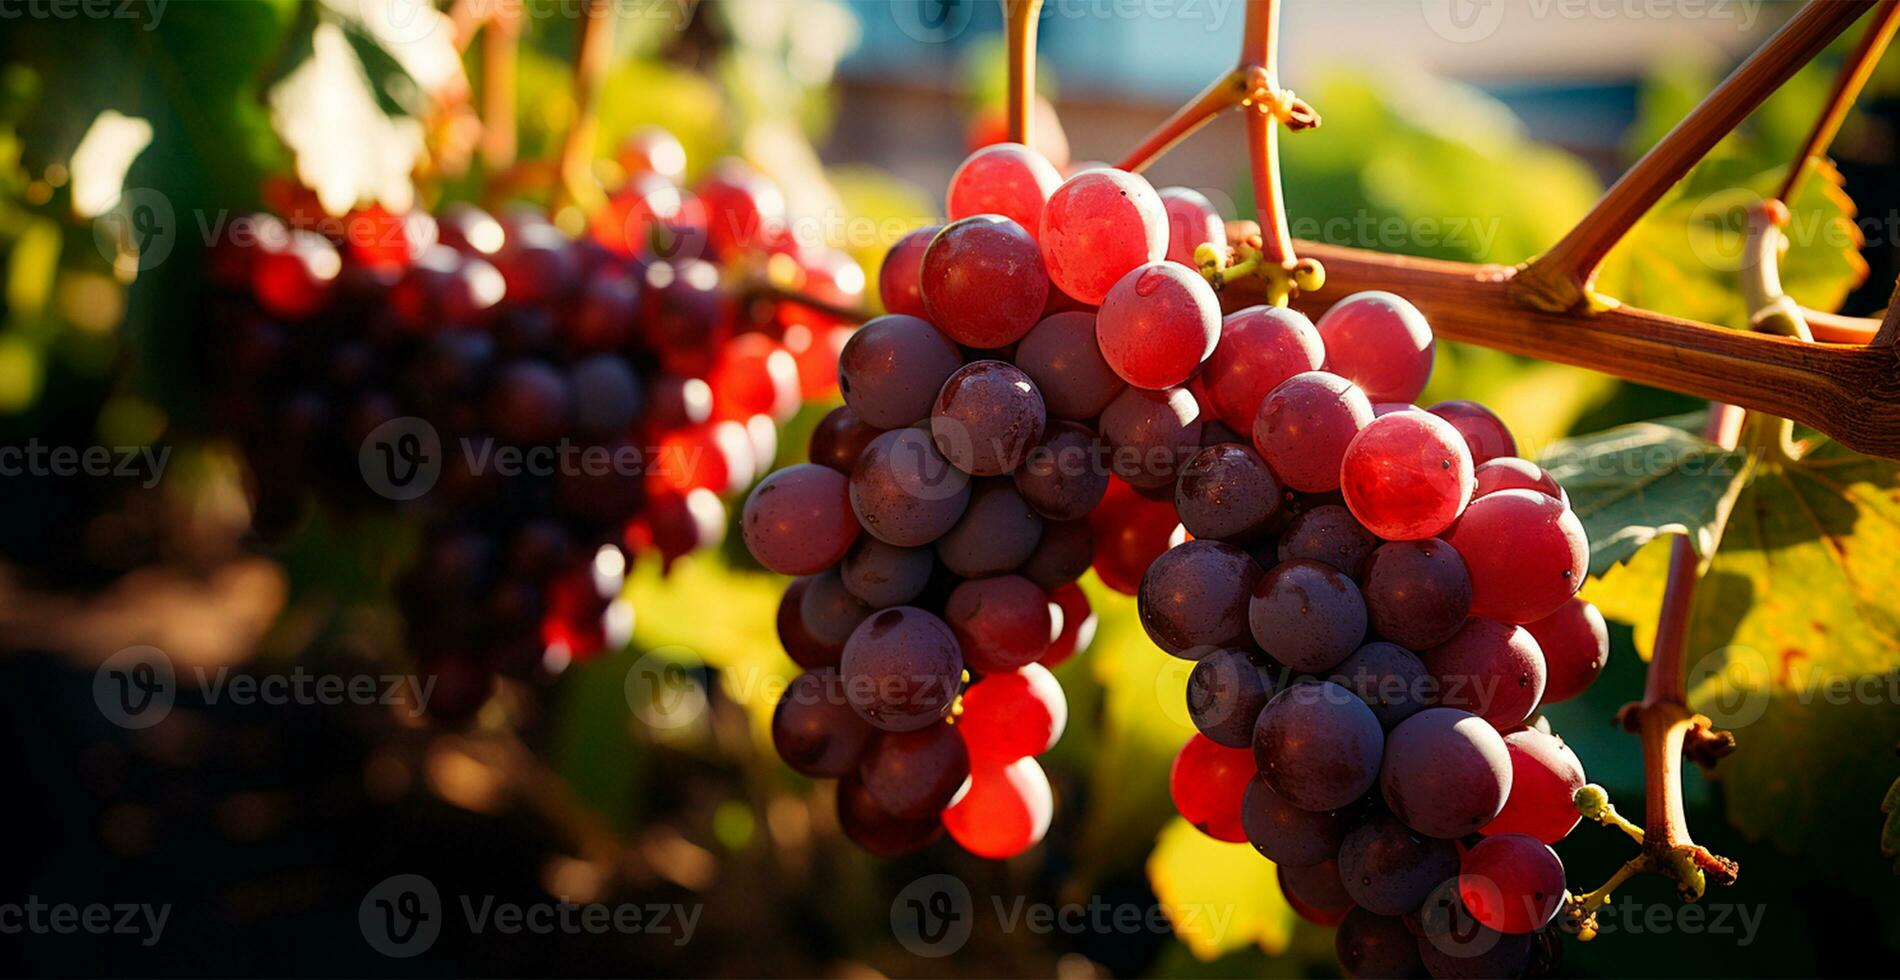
(1063,476)
(685,314)
(1446,772)
(1389,869)
(904,492)
(1319,746)
(1001,623)
(1260,347)
(1375,946)
(1131,531)
(1454,945)
(1226,492)
(1407,475)
(987,417)
(997,533)
(1576,645)
(1328,534)
(677,402)
(892,369)
(1315,892)
(804,649)
(1417,593)
(529,403)
(814,729)
(1545,778)
(1381,342)
(1491,669)
(742,207)
(1485,434)
(1009,179)
(885,575)
(654,150)
(1307,615)
(1157,324)
(867,825)
(1304,426)
(1511,473)
(1060,354)
(1096,227)
(1225,693)
(1390,679)
(799,520)
(839,438)
(607,393)
(1078,624)
(1526,552)
(900,278)
(1011,714)
(1513,883)
(1151,433)
(1286,834)
(983,284)
(1062,555)
(914,775)
(1207,783)
(1005,811)
(1195,598)
(1193,221)
(902,669)
(829,611)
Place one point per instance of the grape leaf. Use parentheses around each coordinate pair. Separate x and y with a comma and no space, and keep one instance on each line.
(1890,831)
(1220,897)
(1635,483)
(1794,645)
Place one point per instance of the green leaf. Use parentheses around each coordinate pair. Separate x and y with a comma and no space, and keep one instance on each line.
(1635,483)
(1793,644)
(1220,897)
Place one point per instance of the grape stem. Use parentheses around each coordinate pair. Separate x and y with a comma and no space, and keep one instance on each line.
(767,290)
(1563,278)
(596,45)
(1853,76)
(1020,19)
(1260,50)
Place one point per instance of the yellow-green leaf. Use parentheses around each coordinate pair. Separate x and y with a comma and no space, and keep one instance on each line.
(1221,897)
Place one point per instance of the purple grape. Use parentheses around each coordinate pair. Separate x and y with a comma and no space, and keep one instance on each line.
(902,669)
(904,492)
(799,520)
(885,575)
(814,729)
(892,368)
(1064,476)
(987,417)
(1225,693)
(1389,869)
(1307,615)
(1060,354)
(1417,593)
(1194,598)
(1286,834)
(1373,946)
(997,533)
(1491,669)
(839,438)
(914,775)
(1446,772)
(1152,433)
(1227,493)
(1328,533)
(1319,746)
(828,610)
(1390,679)
(1061,556)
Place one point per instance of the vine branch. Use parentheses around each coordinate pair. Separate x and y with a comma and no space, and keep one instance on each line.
(1020,19)
(1853,76)
(1563,277)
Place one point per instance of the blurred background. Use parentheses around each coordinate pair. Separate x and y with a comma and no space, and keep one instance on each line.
(261,828)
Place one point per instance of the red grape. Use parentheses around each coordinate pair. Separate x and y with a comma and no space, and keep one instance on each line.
(1446,772)
(983,284)
(1005,811)
(987,417)
(1226,492)
(1192,222)
(1064,476)
(1009,179)
(1407,475)
(1512,883)
(1369,946)
(1315,892)
(885,575)
(1390,869)
(904,492)
(839,438)
(1157,324)
(754,375)
(1001,623)
(799,521)
(1060,354)
(914,775)
(867,825)
(1208,782)
(1511,473)
(1096,227)
(996,534)
(1260,347)
(1286,834)
(1064,552)
(1527,554)
(1390,679)
(892,369)
(804,649)
(1012,714)
(1545,778)
(1304,426)
(1078,624)
(829,611)
(1491,669)
(900,278)
(1381,342)
(1576,645)
(1225,693)
(742,207)
(1151,433)
(814,729)
(1328,534)
(1131,531)
(1485,434)
(902,669)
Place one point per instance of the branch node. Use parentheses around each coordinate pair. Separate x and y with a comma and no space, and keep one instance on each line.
(1704,744)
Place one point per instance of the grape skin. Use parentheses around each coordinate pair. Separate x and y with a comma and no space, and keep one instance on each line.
(1260,347)
(1315,891)
(799,520)
(1096,227)
(839,439)
(1390,679)
(1328,534)
(1001,623)
(1455,946)
(997,533)
(1157,325)
(1078,624)
(1286,834)
(1491,669)
(1307,615)
(1226,492)
(1389,869)
(829,611)
(914,775)
(1011,714)
(1152,433)
(1381,342)
(1063,476)
(982,283)
(1061,556)
(1417,593)
(881,834)
(1576,645)
(892,369)
(1060,354)
(1445,773)
(1512,473)
(1545,778)
(798,643)
(1225,692)
(986,418)
(814,729)
(902,669)
(885,575)
(1304,426)
(1319,746)
(1195,597)
(1407,475)
(1526,552)
(904,492)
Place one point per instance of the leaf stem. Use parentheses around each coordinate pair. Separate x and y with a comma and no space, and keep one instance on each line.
(1259,48)
(1020,19)
(1853,76)
(1562,278)
(1222,93)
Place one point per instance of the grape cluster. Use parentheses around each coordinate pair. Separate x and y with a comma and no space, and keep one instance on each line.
(1017,417)
(576,402)
(1378,599)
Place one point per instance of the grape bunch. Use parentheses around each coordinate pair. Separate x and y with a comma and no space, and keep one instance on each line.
(578,402)
(1016,418)
(1378,599)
